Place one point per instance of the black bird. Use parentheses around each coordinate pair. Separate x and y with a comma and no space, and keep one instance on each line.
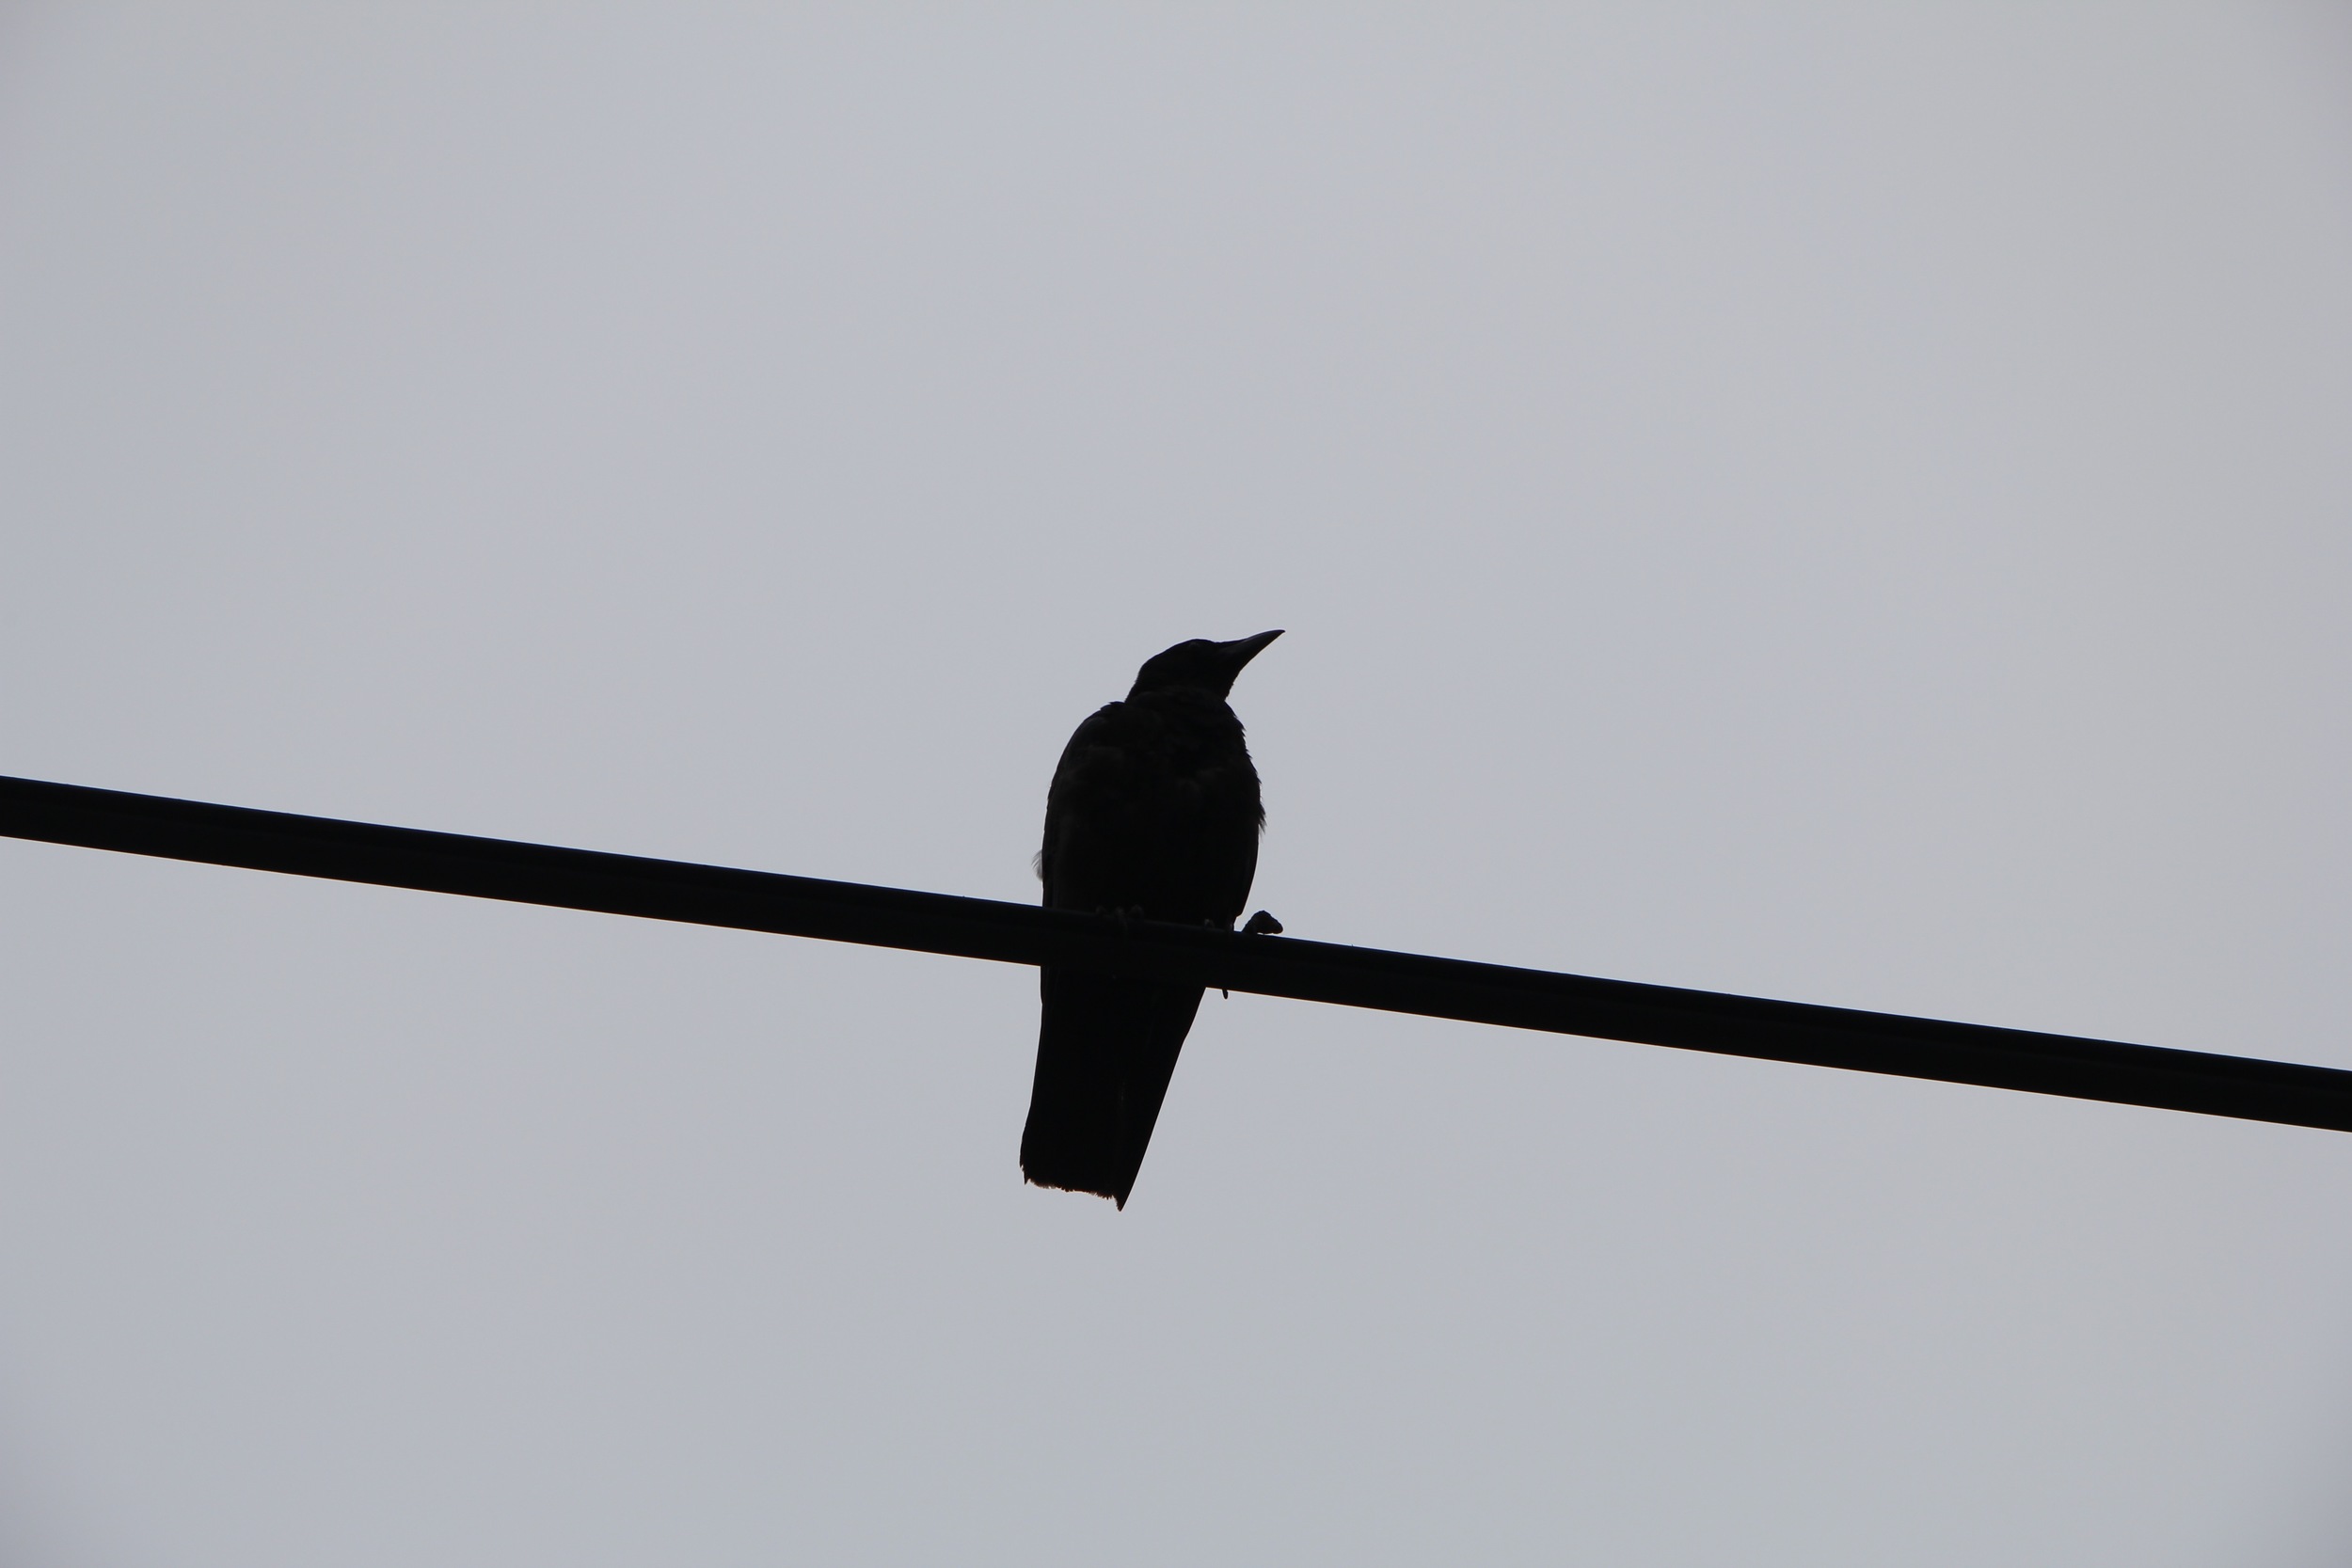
(1154,813)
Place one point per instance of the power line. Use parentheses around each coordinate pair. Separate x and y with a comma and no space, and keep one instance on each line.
(2286,1092)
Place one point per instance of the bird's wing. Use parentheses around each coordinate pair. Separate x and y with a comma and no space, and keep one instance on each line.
(1095,768)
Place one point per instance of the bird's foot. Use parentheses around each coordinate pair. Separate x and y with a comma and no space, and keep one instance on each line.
(1258,925)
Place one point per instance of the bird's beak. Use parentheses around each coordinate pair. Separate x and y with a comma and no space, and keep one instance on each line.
(1243,649)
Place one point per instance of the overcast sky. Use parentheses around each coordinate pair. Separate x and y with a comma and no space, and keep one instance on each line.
(1850,504)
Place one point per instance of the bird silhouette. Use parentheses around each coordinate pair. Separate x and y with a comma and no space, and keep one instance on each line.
(1155,813)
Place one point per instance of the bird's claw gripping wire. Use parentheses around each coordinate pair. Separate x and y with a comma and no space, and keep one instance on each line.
(1258,925)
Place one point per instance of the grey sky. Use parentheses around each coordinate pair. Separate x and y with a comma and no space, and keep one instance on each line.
(1845,503)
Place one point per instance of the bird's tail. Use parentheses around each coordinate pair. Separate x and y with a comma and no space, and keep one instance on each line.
(1106,1051)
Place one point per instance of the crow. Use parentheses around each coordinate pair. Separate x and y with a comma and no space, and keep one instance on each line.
(1154,813)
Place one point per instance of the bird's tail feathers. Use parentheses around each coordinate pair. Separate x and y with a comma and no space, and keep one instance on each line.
(1106,1049)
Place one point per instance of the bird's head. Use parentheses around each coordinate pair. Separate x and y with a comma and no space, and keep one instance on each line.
(1199,665)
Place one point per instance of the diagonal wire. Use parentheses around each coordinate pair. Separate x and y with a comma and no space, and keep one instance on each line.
(2286,1092)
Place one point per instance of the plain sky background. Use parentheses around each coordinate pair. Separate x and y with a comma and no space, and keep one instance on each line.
(1843,503)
